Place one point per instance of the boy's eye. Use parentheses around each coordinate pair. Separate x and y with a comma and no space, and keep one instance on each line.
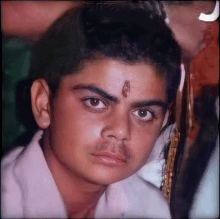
(144,114)
(95,103)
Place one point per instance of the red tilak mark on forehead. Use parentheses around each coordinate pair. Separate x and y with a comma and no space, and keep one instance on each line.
(126,88)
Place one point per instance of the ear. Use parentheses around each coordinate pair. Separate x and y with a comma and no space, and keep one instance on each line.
(40,103)
(166,118)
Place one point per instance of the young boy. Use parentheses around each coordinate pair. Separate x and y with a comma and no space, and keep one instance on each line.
(104,78)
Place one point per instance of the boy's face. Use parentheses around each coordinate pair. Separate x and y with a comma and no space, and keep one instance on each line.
(106,119)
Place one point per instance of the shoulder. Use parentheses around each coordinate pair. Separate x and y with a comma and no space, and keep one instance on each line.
(145,197)
(132,197)
(8,165)
(10,191)
(10,157)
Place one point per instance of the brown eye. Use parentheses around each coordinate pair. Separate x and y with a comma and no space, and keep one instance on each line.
(94,102)
(142,113)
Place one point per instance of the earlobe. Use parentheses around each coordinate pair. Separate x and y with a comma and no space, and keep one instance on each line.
(40,103)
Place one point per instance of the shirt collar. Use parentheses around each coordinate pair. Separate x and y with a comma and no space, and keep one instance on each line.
(41,197)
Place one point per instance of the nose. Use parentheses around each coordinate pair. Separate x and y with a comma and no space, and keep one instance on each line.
(117,127)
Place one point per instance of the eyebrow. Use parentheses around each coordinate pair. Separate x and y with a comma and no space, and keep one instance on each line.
(159,103)
(103,93)
(97,90)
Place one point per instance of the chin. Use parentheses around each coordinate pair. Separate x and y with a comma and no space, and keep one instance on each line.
(108,181)
(105,178)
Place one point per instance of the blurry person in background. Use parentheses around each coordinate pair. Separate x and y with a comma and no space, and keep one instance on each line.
(189,31)
(28,20)
(195,186)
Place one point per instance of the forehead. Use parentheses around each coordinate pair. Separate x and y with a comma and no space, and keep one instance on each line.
(111,76)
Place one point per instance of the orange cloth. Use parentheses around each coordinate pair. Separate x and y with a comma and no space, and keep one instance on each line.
(205,66)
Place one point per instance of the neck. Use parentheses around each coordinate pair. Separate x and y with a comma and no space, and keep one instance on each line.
(79,195)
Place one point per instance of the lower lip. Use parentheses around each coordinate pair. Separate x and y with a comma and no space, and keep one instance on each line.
(109,161)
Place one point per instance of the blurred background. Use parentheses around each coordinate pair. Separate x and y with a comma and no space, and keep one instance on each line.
(22,24)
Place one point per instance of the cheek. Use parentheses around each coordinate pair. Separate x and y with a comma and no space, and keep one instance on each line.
(143,142)
(76,125)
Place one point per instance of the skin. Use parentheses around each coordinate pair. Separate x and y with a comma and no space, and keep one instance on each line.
(189,31)
(82,124)
(30,19)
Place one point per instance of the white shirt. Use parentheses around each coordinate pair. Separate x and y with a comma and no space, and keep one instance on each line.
(152,171)
(29,190)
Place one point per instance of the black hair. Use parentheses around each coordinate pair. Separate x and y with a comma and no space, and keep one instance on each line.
(126,32)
